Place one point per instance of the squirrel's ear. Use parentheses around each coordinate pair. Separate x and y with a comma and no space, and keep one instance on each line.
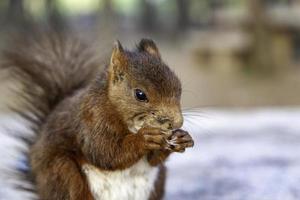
(117,54)
(148,45)
(117,63)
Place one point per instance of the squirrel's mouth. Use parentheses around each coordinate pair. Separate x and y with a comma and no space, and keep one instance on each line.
(142,120)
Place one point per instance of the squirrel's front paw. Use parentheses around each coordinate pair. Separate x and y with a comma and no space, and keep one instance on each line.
(180,140)
(153,138)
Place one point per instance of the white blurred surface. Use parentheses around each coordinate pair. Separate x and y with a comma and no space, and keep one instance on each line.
(238,155)
(241,155)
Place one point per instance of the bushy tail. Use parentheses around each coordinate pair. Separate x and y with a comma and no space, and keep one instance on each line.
(49,66)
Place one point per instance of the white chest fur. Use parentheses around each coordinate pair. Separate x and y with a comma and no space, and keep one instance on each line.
(134,183)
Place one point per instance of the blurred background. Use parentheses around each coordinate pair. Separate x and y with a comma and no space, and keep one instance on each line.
(239,62)
(227,52)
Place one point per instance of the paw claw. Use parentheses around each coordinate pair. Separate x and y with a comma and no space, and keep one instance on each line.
(180,140)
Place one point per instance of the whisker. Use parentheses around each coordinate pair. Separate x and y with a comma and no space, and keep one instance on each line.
(196,114)
(198,120)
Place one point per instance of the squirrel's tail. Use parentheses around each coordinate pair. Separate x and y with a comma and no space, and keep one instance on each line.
(49,66)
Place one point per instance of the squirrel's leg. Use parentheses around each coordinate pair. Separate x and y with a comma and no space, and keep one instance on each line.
(60,178)
(159,185)
(158,156)
(133,147)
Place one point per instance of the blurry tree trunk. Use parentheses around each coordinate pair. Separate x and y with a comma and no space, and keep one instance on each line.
(15,13)
(148,19)
(183,14)
(106,23)
(215,6)
(103,29)
(54,17)
(261,50)
(108,14)
(108,8)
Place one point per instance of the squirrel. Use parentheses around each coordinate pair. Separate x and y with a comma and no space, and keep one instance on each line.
(98,134)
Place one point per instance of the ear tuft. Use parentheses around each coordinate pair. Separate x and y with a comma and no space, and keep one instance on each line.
(149,46)
(118,45)
(117,53)
(117,63)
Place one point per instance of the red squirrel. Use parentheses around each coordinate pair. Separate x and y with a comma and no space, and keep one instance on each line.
(99,134)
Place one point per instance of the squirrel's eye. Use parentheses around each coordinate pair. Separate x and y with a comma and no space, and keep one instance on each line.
(140,95)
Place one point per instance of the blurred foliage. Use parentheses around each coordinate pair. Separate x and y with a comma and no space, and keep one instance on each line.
(220,47)
(169,18)
(197,10)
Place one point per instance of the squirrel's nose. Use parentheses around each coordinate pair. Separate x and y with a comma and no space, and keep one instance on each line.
(178,121)
(173,122)
(163,120)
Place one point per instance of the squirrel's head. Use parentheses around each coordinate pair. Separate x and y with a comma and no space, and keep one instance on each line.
(143,89)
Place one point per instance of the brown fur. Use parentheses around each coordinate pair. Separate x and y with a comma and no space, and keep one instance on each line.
(81,118)
(159,185)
